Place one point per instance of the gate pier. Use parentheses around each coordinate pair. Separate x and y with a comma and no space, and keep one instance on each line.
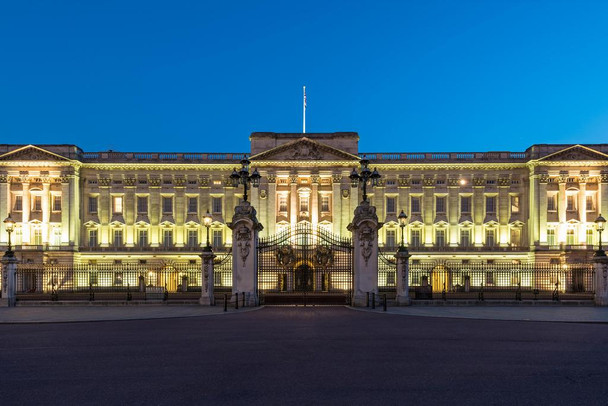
(365,228)
(245,228)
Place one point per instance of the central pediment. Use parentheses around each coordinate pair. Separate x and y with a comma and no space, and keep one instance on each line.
(304,149)
(31,153)
(576,153)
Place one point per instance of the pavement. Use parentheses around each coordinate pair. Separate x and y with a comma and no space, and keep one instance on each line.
(72,314)
(302,356)
(75,314)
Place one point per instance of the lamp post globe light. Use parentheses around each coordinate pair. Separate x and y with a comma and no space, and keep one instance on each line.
(365,177)
(207,220)
(9,224)
(242,177)
(402,223)
(600,222)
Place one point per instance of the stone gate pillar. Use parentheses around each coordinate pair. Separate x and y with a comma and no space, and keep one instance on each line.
(245,228)
(9,281)
(365,228)
(600,266)
(207,298)
(403,270)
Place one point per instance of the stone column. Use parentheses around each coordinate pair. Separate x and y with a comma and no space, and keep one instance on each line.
(603,204)
(582,211)
(479,209)
(5,203)
(561,210)
(504,209)
(540,210)
(403,270)
(336,203)
(314,200)
(293,198)
(207,298)
(46,210)
(364,228)
(600,266)
(25,203)
(9,280)
(245,228)
(453,203)
(271,205)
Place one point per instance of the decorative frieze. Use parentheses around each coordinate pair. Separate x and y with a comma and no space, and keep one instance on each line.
(336,177)
(428,181)
(479,181)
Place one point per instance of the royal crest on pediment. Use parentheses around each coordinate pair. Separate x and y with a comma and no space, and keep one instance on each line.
(304,149)
(576,153)
(31,153)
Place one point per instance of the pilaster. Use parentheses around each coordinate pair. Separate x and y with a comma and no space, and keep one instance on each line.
(207,298)
(600,266)
(403,267)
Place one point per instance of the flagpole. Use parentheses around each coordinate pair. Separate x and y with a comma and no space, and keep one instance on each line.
(304,111)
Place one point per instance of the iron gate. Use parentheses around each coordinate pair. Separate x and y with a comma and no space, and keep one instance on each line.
(305,264)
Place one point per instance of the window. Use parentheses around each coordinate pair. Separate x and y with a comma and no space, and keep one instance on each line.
(18,205)
(415,201)
(37,236)
(56,203)
(551,203)
(440,237)
(515,204)
(56,236)
(515,237)
(37,204)
(167,205)
(570,237)
(93,238)
(440,204)
(304,204)
(117,242)
(142,204)
(551,236)
(570,203)
(390,205)
(167,238)
(92,204)
(415,238)
(490,204)
(589,236)
(192,238)
(282,203)
(216,205)
(465,204)
(218,240)
(390,239)
(465,237)
(490,237)
(117,204)
(325,203)
(192,205)
(589,203)
(142,238)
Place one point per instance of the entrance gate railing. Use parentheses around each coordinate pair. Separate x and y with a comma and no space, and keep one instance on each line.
(305,260)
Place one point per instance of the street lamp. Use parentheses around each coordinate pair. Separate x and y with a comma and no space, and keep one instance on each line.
(207,219)
(364,177)
(600,223)
(9,224)
(402,221)
(242,177)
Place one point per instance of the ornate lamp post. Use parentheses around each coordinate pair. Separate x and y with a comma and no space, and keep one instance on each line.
(207,220)
(242,177)
(9,224)
(600,223)
(402,222)
(366,176)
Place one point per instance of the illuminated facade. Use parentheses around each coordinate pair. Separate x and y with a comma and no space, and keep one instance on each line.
(99,207)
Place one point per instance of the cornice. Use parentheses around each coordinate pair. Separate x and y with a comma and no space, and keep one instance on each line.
(158,167)
(44,164)
(537,163)
(449,166)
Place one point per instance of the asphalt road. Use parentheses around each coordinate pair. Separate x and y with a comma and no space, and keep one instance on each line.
(304,356)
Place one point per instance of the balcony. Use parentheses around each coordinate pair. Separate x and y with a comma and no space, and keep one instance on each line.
(198,249)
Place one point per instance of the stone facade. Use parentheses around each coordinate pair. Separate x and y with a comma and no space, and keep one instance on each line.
(95,207)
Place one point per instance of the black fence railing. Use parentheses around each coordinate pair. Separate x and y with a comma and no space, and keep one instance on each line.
(514,281)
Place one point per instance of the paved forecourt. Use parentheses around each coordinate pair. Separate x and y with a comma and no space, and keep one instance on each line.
(288,355)
(569,314)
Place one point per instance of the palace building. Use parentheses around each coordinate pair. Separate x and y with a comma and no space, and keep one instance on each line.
(76,207)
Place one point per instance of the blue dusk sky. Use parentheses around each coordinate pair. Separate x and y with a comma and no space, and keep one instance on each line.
(406,75)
